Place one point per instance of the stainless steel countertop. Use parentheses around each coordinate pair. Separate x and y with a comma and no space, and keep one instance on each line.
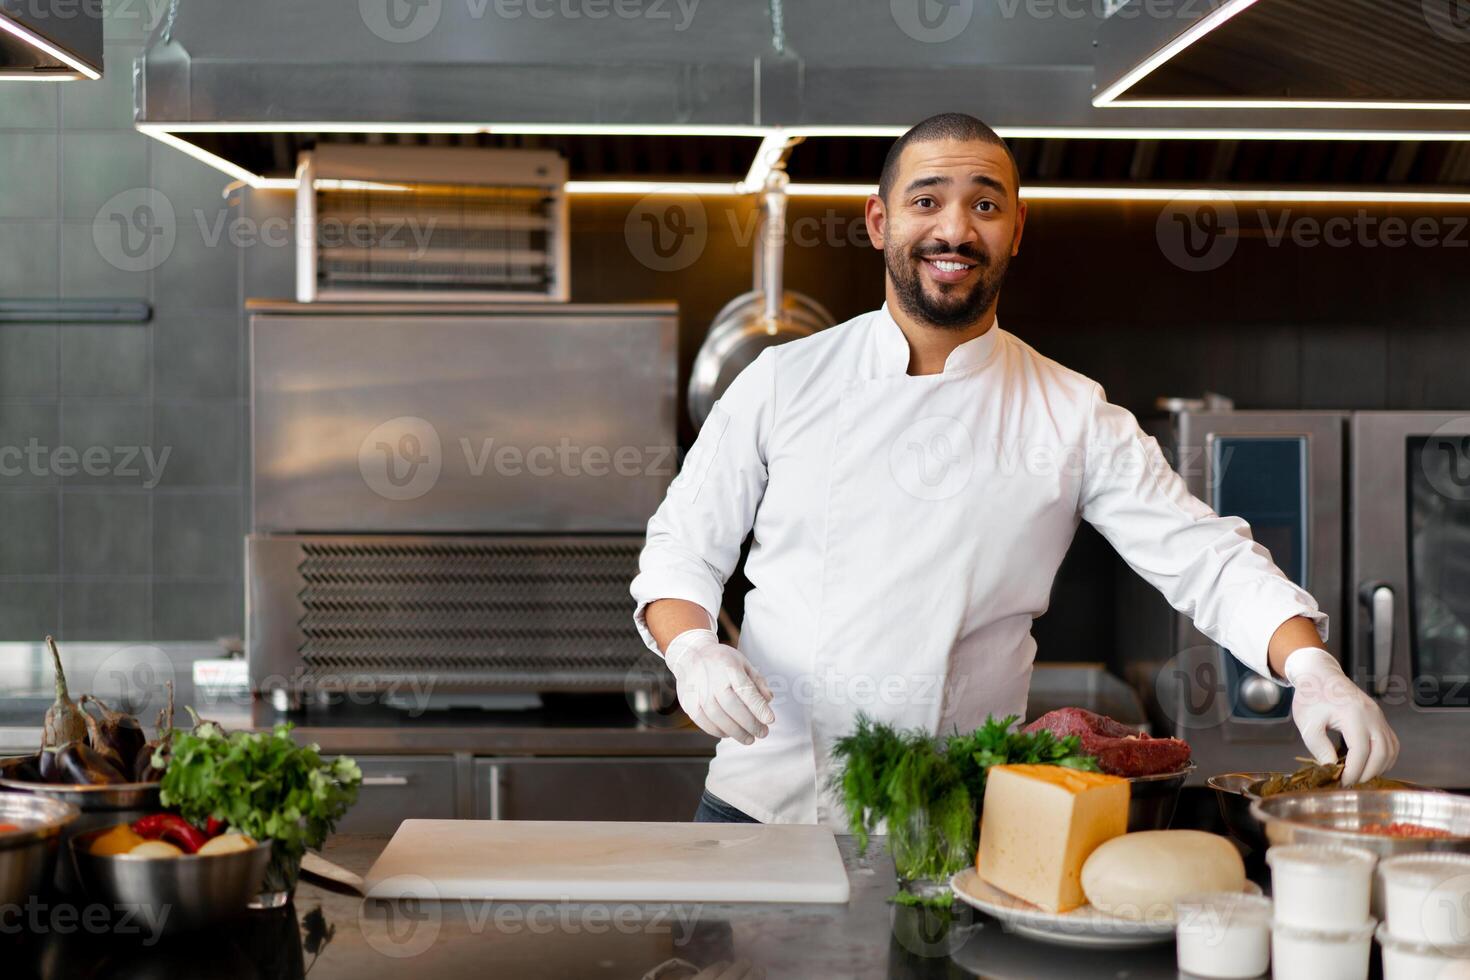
(337,935)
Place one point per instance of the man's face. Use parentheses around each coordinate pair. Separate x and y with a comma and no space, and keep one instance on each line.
(950,225)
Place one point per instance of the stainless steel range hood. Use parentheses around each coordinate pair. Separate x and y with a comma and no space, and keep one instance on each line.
(50,39)
(247,86)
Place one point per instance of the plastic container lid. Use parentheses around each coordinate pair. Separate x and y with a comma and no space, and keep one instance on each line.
(1425,870)
(1352,934)
(1239,906)
(1389,941)
(1319,858)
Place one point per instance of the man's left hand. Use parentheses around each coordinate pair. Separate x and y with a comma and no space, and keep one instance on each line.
(1326,698)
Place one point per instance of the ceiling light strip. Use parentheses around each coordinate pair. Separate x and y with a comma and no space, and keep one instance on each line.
(41,44)
(202,155)
(466,128)
(655,187)
(1183,103)
(1038,192)
(37,75)
(1191,34)
(1159,133)
(1245,195)
(768,156)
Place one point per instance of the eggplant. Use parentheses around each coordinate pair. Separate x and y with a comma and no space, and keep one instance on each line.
(49,767)
(65,722)
(203,726)
(23,768)
(80,763)
(144,771)
(115,731)
(98,744)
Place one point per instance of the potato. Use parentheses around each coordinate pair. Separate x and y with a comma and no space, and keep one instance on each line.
(155,849)
(1138,876)
(226,844)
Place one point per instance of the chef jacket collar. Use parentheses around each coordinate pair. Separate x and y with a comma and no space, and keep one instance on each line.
(892,348)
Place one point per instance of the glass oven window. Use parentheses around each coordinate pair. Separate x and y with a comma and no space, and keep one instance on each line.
(1439,572)
(1263,479)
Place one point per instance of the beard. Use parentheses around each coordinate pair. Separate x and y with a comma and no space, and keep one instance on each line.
(958,305)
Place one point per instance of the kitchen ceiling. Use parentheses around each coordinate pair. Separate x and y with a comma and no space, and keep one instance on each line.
(1269,52)
(688,96)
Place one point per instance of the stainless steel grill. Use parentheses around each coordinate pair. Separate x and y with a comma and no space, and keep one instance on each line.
(462,613)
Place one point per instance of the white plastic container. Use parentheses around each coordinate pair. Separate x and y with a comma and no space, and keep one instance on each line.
(1420,961)
(1320,954)
(1223,935)
(1426,898)
(1323,888)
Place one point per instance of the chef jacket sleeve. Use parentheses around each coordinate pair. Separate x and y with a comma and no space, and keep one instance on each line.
(695,535)
(1207,566)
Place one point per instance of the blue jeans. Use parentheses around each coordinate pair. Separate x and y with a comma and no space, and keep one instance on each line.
(712,809)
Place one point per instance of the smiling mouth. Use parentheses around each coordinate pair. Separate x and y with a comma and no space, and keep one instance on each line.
(948,270)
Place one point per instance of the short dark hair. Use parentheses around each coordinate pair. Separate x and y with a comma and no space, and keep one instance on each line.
(945,126)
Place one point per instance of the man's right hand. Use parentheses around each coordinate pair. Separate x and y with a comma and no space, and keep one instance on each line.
(718,688)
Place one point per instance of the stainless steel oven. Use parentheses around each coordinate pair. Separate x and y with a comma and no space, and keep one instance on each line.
(1370,512)
(1409,575)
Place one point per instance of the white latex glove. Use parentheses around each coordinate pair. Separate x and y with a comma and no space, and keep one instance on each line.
(1327,698)
(718,688)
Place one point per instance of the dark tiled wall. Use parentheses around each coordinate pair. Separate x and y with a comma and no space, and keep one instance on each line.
(109,555)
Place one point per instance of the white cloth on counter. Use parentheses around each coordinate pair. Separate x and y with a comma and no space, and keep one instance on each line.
(907,531)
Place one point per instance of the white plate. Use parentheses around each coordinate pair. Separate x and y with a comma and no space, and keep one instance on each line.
(1085,926)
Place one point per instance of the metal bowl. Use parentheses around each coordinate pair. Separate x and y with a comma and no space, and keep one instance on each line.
(1153,799)
(88,799)
(179,894)
(1236,791)
(100,806)
(1336,818)
(1233,794)
(27,854)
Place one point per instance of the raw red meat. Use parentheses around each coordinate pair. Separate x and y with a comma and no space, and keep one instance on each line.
(1120,750)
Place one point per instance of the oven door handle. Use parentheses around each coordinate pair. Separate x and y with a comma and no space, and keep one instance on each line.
(1377,600)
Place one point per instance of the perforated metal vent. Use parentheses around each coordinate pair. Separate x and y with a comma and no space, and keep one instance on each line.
(393,223)
(465,613)
(444,240)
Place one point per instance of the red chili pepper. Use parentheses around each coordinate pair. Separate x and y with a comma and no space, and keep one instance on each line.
(214,827)
(172,828)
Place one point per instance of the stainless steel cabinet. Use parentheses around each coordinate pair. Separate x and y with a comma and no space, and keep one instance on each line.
(616,788)
(397,788)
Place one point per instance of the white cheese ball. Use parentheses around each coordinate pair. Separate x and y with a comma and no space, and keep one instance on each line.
(1138,876)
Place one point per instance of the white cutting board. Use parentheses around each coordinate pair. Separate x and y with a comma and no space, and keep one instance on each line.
(578,861)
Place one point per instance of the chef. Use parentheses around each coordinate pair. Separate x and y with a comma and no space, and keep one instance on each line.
(913,478)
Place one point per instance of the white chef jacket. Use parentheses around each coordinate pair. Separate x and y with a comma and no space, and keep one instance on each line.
(907,531)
